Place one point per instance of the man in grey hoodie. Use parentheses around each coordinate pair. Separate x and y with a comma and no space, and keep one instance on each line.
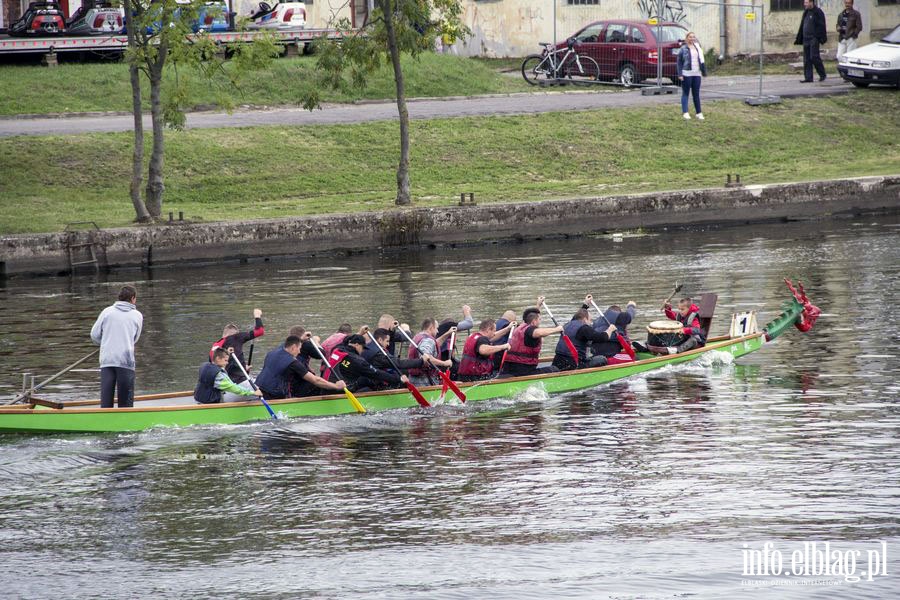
(116,331)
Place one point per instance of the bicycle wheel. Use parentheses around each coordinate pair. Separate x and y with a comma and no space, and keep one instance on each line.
(535,68)
(583,68)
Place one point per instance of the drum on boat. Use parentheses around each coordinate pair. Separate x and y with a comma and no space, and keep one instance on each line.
(662,334)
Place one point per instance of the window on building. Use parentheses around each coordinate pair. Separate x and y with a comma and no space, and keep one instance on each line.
(786,5)
(580,2)
(887,2)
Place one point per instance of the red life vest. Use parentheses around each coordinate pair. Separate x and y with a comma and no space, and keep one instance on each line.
(473,364)
(334,358)
(520,353)
(414,353)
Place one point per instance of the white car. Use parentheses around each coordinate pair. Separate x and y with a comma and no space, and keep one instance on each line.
(284,15)
(875,63)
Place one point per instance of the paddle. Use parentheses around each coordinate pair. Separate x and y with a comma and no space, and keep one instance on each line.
(444,376)
(27,393)
(356,403)
(250,357)
(565,338)
(452,347)
(622,341)
(253,385)
(409,385)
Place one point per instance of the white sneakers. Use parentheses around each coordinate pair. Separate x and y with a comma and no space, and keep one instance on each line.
(687,116)
(701,117)
(673,349)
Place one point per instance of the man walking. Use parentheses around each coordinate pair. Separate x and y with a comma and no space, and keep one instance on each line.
(849,26)
(116,331)
(812,32)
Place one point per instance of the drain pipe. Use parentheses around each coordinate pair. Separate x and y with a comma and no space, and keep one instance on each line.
(723,32)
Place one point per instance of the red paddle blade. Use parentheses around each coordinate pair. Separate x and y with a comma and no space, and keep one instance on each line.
(626,346)
(572,349)
(417,395)
(453,386)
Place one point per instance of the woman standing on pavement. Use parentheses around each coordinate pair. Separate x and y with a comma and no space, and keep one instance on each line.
(691,70)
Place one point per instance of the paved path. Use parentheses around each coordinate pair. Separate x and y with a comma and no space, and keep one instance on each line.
(714,88)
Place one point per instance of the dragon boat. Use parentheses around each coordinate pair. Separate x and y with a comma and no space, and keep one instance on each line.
(178,409)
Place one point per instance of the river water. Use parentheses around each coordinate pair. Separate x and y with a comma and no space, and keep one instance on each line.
(658,486)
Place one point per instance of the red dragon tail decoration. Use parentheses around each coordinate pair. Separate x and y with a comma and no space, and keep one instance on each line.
(810,312)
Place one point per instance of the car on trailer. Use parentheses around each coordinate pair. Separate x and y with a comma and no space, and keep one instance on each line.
(627,51)
(877,63)
(40,19)
(283,15)
(96,17)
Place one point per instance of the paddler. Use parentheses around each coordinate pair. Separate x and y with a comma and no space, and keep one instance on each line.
(525,345)
(689,316)
(378,360)
(282,371)
(214,385)
(582,334)
(621,319)
(235,339)
(478,353)
(359,374)
(428,342)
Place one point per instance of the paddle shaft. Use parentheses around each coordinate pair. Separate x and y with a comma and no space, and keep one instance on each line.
(28,393)
(409,385)
(253,385)
(566,338)
(337,371)
(443,375)
(250,356)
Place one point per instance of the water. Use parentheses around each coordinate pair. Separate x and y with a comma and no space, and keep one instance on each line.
(647,488)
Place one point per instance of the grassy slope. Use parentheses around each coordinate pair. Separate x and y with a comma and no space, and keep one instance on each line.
(273,171)
(77,87)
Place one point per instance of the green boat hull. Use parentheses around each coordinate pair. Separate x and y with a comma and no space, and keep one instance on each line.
(97,420)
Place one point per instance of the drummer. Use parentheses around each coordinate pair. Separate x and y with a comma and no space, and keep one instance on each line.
(689,316)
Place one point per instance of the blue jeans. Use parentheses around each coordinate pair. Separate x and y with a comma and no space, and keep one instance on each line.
(690,85)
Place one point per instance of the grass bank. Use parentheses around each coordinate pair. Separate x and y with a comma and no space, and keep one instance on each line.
(81,87)
(264,172)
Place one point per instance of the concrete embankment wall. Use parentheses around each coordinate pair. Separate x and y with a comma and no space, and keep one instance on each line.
(160,245)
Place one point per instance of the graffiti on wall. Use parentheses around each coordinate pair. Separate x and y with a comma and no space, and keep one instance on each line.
(673,10)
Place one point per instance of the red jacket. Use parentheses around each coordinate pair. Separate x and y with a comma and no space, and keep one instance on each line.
(694,315)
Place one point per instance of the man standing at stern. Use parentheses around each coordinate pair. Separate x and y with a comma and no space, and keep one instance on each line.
(116,331)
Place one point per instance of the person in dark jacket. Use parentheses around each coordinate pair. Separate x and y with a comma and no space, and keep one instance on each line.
(235,339)
(812,32)
(614,315)
(213,381)
(849,26)
(582,334)
(281,371)
(356,371)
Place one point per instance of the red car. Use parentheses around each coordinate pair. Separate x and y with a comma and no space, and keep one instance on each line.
(626,50)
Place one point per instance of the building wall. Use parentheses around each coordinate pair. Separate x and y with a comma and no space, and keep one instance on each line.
(515,27)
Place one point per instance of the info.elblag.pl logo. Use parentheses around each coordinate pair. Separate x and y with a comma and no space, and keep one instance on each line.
(824,561)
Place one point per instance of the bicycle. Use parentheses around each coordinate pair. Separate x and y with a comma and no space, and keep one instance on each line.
(548,67)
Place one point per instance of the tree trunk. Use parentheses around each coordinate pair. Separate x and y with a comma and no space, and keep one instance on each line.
(137,158)
(155,186)
(403,196)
